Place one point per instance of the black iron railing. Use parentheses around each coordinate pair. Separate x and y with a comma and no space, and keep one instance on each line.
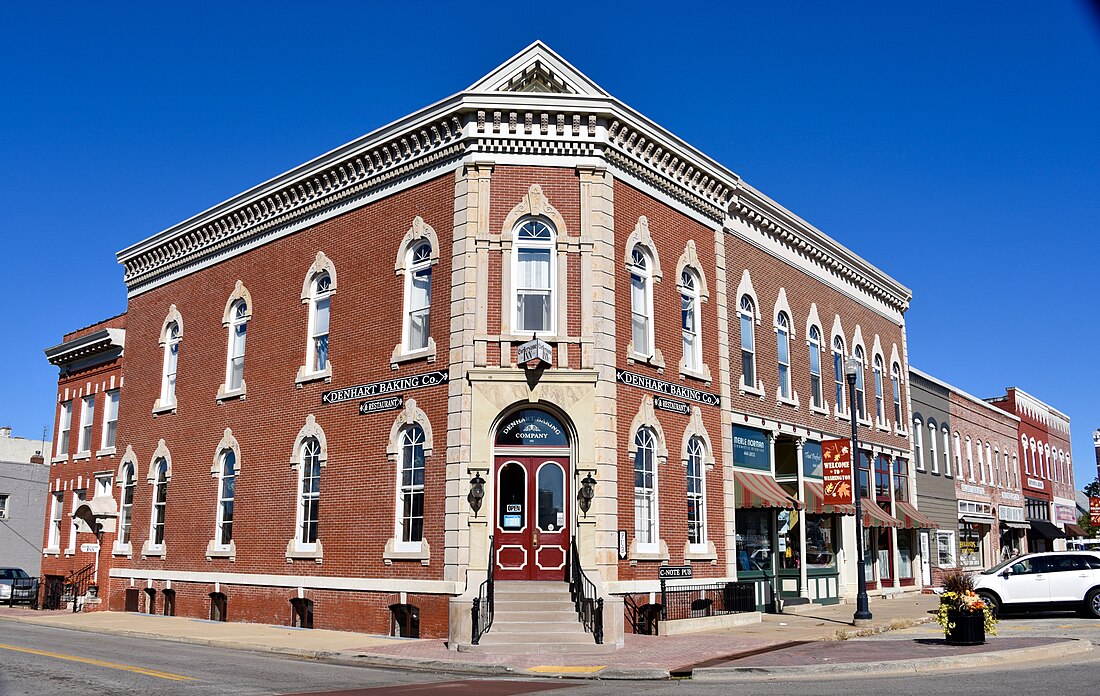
(482,611)
(51,590)
(714,599)
(642,617)
(588,603)
(76,585)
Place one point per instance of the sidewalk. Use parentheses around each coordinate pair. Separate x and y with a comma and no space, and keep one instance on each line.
(810,642)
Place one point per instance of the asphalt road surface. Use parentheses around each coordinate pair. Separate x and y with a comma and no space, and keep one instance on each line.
(43,661)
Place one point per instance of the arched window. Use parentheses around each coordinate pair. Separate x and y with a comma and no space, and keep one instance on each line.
(918,444)
(1027,462)
(125,514)
(696,494)
(645,490)
(783,350)
(981,460)
(815,366)
(748,343)
(969,458)
(880,411)
(641,302)
(861,409)
(238,329)
(171,362)
(418,297)
(946,451)
(227,477)
(689,320)
(533,274)
(895,378)
(932,454)
(160,503)
(410,491)
(838,373)
(319,303)
(309,494)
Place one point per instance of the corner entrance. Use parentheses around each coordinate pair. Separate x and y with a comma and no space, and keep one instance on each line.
(531,518)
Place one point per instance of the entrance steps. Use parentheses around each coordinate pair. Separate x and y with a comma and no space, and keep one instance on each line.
(533,618)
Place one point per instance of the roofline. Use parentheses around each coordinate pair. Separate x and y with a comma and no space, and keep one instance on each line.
(1038,400)
(960,392)
(84,346)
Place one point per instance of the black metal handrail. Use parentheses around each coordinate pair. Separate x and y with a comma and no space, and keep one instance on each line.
(76,585)
(482,611)
(588,603)
(708,599)
(643,619)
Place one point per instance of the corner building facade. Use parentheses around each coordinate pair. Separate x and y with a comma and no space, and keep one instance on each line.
(354,389)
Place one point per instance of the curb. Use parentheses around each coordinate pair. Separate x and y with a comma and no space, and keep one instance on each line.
(1062,648)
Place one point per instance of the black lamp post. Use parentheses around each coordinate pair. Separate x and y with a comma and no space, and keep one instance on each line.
(863,613)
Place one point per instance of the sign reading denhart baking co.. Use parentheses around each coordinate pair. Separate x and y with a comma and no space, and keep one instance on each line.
(390,386)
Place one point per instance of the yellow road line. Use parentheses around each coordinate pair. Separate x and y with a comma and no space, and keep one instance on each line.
(100,663)
(567,669)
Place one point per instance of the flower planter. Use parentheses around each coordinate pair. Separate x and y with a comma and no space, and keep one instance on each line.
(969,627)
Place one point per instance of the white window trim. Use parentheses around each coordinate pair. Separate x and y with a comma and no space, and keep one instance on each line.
(306,373)
(933,452)
(954,548)
(65,417)
(163,403)
(230,321)
(110,396)
(57,515)
(696,430)
(895,378)
(553,290)
(696,295)
(823,409)
(419,233)
(878,369)
(842,407)
(395,549)
(87,425)
(918,442)
(792,399)
(647,418)
(214,548)
(129,459)
(645,273)
(947,470)
(294,549)
(80,496)
(150,548)
(860,354)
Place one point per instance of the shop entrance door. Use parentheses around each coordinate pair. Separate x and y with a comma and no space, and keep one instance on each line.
(531,522)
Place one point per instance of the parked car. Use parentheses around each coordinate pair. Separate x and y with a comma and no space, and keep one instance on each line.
(1043,582)
(16,587)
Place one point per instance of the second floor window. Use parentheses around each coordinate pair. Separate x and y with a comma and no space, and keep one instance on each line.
(880,412)
(87,414)
(641,303)
(418,297)
(125,513)
(57,503)
(533,277)
(64,424)
(860,405)
(110,419)
(171,362)
(320,299)
(838,373)
(747,312)
(895,379)
(783,346)
(160,503)
(238,333)
(227,485)
(689,320)
(815,367)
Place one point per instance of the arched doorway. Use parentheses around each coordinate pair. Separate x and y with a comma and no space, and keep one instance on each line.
(531,512)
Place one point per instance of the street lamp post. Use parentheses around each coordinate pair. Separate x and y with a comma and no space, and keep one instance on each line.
(863,613)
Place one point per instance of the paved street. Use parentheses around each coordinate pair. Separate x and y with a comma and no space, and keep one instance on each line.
(1059,625)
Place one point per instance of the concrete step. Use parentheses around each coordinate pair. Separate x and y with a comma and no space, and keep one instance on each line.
(536,637)
(517,594)
(538,649)
(533,605)
(541,627)
(536,618)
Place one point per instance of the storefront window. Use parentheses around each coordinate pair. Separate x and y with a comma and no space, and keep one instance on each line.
(754,539)
(788,538)
(970,544)
(901,480)
(811,459)
(864,474)
(882,478)
(883,550)
(820,541)
(905,553)
(868,556)
(945,549)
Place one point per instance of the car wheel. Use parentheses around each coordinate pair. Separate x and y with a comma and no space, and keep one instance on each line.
(1092,603)
(992,602)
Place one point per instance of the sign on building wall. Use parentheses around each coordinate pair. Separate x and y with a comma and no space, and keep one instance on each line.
(1094,511)
(836,467)
(364,391)
(1064,513)
(531,427)
(811,459)
(678,391)
(388,403)
(662,404)
(750,448)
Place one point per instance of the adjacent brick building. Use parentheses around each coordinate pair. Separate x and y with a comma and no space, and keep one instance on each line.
(521,288)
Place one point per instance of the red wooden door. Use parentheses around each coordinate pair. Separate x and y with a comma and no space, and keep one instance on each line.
(531,519)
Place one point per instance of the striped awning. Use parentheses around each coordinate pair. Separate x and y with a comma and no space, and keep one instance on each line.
(815,502)
(761,491)
(874,516)
(912,518)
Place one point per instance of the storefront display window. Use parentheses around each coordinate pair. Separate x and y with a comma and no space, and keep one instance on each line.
(754,539)
(811,459)
(945,549)
(882,550)
(820,541)
(905,554)
(868,556)
(789,543)
(971,543)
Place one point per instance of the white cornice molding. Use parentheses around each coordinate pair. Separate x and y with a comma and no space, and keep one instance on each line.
(88,345)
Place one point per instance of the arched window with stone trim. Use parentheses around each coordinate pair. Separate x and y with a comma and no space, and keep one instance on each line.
(125,513)
(747,312)
(645,490)
(160,503)
(880,406)
(418,297)
(641,301)
(689,320)
(238,332)
(696,494)
(319,315)
(173,335)
(227,480)
(309,495)
(534,261)
(895,379)
(838,374)
(410,494)
(783,352)
(861,408)
(814,338)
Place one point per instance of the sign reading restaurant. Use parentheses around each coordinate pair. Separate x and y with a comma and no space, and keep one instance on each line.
(386,403)
(364,391)
(678,391)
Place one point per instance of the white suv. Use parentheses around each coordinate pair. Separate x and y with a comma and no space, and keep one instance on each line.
(1043,582)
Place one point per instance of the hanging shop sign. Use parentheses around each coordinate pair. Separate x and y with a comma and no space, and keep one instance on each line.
(750,448)
(388,403)
(678,391)
(662,404)
(535,353)
(1094,511)
(836,462)
(362,391)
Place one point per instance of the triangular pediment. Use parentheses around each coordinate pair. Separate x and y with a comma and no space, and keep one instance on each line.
(537,69)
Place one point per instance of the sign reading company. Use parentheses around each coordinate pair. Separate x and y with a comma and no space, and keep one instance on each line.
(531,428)
(634,379)
(534,353)
(388,403)
(750,448)
(1094,511)
(363,391)
(836,461)
(662,404)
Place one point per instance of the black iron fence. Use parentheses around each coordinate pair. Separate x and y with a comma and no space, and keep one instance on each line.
(688,602)
(588,603)
(481,614)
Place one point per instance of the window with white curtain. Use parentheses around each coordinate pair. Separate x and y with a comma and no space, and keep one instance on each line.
(747,312)
(533,278)
(689,320)
(815,367)
(319,305)
(418,297)
(783,350)
(641,302)
(171,363)
(238,332)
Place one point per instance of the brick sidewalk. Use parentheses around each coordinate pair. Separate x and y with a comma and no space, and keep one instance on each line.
(854,652)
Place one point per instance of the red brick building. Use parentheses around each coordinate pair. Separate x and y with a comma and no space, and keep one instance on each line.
(352,388)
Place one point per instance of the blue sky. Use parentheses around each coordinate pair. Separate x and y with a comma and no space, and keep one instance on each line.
(956,147)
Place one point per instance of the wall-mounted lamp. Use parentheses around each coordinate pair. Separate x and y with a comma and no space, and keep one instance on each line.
(477,493)
(586,493)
